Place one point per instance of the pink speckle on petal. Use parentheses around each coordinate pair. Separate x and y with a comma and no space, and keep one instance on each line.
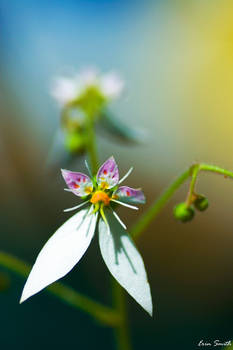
(108,173)
(75,181)
(131,195)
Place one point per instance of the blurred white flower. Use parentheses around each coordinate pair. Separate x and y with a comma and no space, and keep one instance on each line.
(111,85)
(65,89)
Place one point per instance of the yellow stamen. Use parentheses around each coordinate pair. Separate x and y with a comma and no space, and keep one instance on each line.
(104,185)
(114,196)
(88,189)
(100,196)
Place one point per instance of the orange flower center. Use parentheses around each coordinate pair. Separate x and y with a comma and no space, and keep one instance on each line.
(100,196)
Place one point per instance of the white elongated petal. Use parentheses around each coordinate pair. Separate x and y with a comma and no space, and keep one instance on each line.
(125,204)
(119,220)
(125,176)
(61,252)
(76,207)
(124,261)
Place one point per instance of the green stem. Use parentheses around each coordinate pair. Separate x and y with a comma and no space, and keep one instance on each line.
(66,294)
(216,169)
(195,171)
(122,330)
(91,144)
(116,319)
(159,204)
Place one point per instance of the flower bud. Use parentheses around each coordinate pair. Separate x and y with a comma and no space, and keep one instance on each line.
(183,213)
(201,202)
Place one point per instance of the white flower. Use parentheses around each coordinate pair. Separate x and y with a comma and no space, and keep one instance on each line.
(65,89)
(69,243)
(111,85)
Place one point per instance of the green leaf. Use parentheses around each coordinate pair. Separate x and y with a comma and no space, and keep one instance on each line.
(120,130)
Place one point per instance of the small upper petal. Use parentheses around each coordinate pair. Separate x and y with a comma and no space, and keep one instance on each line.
(88,77)
(129,195)
(79,183)
(64,90)
(111,85)
(108,174)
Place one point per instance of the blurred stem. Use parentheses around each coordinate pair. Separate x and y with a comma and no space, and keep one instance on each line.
(144,222)
(91,143)
(101,313)
(122,329)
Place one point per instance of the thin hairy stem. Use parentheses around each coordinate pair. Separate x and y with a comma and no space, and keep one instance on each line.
(144,222)
(195,171)
(217,170)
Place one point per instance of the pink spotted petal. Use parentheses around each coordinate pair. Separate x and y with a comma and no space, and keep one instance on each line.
(129,195)
(79,183)
(108,175)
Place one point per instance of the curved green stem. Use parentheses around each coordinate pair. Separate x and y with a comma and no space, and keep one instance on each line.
(195,171)
(159,204)
(66,294)
(216,169)
(116,319)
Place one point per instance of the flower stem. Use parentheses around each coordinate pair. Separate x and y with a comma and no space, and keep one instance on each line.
(160,203)
(91,143)
(217,170)
(101,313)
(122,330)
(195,171)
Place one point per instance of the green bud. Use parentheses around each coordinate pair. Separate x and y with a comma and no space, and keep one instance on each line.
(74,142)
(201,202)
(183,213)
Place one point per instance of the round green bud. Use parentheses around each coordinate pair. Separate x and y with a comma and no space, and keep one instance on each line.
(74,142)
(201,202)
(183,213)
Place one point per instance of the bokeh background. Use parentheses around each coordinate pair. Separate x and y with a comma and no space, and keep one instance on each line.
(177,60)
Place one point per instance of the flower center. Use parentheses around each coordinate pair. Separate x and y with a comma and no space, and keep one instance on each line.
(100,196)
